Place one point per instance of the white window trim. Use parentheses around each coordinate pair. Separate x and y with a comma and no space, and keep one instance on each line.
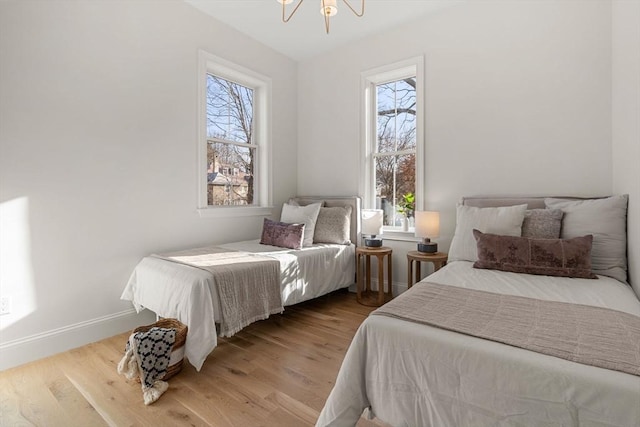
(369,80)
(209,63)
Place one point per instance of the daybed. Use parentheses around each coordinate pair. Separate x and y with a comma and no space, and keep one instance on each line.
(188,285)
(412,373)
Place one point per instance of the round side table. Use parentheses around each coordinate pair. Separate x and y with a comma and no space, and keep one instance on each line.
(365,295)
(439,259)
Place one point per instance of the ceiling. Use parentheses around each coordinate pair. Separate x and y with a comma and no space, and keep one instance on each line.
(304,35)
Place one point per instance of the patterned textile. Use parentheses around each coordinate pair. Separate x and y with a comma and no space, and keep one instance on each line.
(542,223)
(549,257)
(282,234)
(333,226)
(147,356)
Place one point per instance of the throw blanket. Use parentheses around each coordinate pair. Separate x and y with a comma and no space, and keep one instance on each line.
(589,335)
(248,284)
(147,356)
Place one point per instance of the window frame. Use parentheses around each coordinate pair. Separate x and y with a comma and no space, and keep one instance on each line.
(370,79)
(261,85)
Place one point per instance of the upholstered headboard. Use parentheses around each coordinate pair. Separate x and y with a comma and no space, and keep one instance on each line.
(333,201)
(603,217)
(533,202)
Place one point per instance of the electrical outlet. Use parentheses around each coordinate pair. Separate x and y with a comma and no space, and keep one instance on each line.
(5,305)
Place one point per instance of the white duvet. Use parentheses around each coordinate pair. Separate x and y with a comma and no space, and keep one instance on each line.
(408,374)
(187,293)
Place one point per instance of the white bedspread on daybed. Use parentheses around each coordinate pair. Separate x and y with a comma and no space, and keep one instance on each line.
(416,375)
(187,293)
(309,272)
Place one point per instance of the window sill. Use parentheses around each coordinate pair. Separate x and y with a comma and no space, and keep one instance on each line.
(234,211)
(399,235)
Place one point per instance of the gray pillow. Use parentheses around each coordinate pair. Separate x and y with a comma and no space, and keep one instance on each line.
(542,223)
(606,219)
(333,226)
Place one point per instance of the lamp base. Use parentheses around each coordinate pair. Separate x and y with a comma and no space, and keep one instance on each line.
(373,243)
(429,247)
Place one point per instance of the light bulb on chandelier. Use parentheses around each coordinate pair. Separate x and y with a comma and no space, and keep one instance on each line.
(328,9)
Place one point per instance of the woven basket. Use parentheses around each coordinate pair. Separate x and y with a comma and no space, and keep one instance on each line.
(177,351)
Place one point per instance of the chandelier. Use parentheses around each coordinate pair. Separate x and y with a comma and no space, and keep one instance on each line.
(328,9)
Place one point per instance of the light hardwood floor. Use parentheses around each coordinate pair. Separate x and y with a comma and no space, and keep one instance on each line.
(277,372)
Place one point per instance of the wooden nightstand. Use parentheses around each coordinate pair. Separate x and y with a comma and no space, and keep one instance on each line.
(365,295)
(438,259)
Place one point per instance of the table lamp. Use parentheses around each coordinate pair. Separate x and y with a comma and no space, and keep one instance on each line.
(427,226)
(372,226)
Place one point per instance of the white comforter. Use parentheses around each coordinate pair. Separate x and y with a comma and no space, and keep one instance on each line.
(410,374)
(188,294)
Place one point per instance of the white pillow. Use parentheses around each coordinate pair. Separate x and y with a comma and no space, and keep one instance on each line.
(606,219)
(505,221)
(307,215)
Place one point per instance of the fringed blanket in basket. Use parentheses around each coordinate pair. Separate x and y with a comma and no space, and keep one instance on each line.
(147,357)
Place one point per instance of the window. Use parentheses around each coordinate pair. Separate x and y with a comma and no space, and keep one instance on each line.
(233,147)
(393,140)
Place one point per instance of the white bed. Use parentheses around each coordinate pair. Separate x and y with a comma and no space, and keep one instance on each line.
(176,290)
(410,374)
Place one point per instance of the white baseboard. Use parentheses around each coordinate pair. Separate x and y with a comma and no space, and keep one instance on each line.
(23,350)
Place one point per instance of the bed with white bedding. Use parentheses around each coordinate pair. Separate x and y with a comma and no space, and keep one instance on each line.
(413,374)
(191,294)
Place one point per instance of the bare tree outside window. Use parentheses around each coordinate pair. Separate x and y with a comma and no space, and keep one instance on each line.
(231,151)
(395,152)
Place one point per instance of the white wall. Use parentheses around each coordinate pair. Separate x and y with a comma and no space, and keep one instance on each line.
(98,156)
(626,122)
(518,100)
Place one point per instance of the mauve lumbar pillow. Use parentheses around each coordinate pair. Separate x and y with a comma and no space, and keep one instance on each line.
(542,223)
(282,234)
(549,257)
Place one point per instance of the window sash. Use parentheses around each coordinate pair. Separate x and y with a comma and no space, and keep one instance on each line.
(261,136)
(413,67)
(226,141)
(394,153)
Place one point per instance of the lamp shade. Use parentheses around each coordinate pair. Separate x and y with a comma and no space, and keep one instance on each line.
(372,221)
(329,7)
(427,224)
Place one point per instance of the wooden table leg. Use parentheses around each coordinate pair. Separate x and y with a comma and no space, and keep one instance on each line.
(380,280)
(359,277)
(389,276)
(409,273)
(418,271)
(367,270)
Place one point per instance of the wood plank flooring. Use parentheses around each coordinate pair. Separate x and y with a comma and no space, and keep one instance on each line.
(277,372)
